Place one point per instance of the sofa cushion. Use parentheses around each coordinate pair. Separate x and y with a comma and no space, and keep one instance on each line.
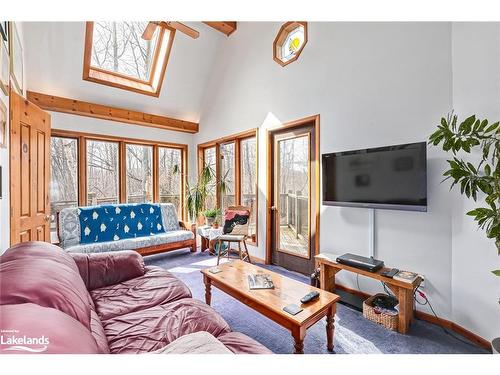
(133,243)
(41,273)
(69,227)
(151,329)
(195,343)
(56,332)
(239,343)
(105,223)
(97,331)
(169,215)
(155,287)
(103,269)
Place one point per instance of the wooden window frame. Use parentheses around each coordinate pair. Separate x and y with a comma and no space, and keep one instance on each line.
(281,37)
(82,139)
(152,87)
(236,139)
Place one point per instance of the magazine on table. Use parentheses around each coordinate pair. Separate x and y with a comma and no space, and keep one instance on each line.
(260,281)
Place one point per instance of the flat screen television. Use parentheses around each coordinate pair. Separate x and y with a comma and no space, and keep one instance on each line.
(392,177)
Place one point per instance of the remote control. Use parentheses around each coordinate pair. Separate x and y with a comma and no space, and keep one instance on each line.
(391,272)
(309,297)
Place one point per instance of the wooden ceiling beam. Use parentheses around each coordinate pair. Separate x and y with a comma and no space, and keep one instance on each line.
(81,108)
(225,27)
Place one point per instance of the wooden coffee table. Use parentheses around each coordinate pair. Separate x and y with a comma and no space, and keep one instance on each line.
(270,302)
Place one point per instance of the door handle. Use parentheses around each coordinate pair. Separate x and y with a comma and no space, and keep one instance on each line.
(273,208)
(46,217)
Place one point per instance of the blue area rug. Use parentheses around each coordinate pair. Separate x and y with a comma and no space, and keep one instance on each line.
(353,333)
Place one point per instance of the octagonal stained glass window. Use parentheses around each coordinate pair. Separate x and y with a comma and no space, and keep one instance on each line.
(290,42)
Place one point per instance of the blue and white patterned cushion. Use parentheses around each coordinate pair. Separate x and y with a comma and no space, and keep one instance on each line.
(169,213)
(69,227)
(132,243)
(120,221)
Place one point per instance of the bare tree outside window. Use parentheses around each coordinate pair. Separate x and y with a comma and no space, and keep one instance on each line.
(293,204)
(102,172)
(118,47)
(169,170)
(227,173)
(209,158)
(248,155)
(64,175)
(139,160)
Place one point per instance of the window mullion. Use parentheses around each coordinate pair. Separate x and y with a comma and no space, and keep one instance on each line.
(156,175)
(123,172)
(237,172)
(82,168)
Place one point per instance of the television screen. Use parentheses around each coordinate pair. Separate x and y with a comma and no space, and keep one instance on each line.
(393,177)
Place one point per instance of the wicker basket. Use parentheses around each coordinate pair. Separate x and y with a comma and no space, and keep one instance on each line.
(388,321)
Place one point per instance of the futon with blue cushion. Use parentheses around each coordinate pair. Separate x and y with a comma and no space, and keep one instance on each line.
(145,227)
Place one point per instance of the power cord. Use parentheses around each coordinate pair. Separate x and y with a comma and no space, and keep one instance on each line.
(427,302)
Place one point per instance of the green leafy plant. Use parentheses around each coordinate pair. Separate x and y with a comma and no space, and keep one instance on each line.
(205,185)
(212,213)
(472,179)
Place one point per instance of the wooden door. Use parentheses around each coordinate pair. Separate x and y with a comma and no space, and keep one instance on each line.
(293,225)
(29,171)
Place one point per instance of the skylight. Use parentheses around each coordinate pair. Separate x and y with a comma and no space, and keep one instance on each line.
(117,55)
(118,47)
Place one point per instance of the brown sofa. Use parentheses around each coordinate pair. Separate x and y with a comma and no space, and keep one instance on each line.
(55,302)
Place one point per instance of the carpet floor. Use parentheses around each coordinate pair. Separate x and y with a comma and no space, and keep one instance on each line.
(353,333)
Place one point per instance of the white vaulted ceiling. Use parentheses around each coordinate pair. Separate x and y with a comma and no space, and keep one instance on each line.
(54,65)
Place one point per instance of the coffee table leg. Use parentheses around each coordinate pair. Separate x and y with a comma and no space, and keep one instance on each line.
(298,337)
(208,291)
(330,327)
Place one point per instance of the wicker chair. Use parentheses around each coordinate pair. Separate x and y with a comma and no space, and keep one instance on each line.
(235,230)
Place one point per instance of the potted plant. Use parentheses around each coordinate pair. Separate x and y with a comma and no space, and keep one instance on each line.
(197,192)
(475,178)
(211,215)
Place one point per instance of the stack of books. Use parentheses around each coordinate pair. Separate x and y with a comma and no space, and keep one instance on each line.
(405,276)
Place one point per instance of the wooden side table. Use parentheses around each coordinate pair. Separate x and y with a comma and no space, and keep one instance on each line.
(403,291)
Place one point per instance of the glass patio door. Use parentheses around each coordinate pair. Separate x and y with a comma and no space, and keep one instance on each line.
(293,198)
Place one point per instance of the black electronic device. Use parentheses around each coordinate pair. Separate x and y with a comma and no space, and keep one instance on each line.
(392,177)
(292,309)
(309,297)
(390,273)
(353,260)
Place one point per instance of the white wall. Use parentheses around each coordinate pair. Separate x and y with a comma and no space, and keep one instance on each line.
(476,90)
(373,84)
(4,162)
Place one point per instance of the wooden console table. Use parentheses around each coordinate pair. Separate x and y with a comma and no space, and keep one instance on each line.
(403,291)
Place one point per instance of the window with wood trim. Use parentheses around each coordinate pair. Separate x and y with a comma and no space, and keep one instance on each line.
(289,43)
(235,162)
(64,175)
(227,172)
(103,173)
(139,173)
(209,159)
(169,175)
(89,169)
(116,55)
